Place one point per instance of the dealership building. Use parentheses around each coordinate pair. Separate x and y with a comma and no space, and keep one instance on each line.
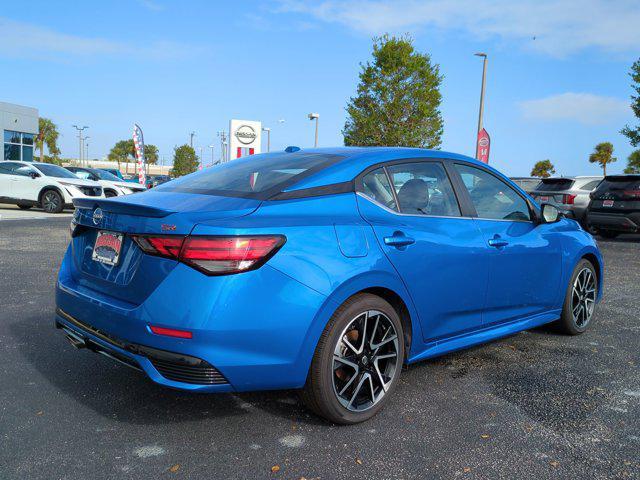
(19,126)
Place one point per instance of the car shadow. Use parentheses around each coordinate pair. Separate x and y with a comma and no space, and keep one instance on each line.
(118,392)
(623,238)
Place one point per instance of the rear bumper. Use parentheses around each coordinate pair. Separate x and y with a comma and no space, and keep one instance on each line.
(167,368)
(615,221)
(252,328)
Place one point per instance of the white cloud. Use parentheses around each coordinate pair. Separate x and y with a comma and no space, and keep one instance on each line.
(20,40)
(560,27)
(585,108)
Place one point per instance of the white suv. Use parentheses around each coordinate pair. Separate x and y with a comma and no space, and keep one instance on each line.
(27,184)
(112,185)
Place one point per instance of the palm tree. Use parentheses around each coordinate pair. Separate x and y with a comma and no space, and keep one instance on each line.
(47,134)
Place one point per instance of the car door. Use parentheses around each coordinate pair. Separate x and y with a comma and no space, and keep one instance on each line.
(436,251)
(6,180)
(28,182)
(524,256)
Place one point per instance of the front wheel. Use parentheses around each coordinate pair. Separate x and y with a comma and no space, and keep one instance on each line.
(52,202)
(580,299)
(357,361)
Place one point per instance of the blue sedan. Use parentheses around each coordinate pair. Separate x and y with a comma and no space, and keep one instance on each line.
(322,270)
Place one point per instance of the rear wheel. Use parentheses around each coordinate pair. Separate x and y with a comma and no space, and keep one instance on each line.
(357,361)
(51,201)
(608,234)
(580,299)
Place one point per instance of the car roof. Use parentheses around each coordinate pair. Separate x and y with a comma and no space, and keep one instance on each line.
(356,159)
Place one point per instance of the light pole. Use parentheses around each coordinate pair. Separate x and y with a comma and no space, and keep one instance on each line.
(316,117)
(86,150)
(268,130)
(212,146)
(192,134)
(484,77)
(80,141)
(223,146)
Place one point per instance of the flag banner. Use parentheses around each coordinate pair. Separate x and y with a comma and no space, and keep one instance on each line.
(138,142)
(483,146)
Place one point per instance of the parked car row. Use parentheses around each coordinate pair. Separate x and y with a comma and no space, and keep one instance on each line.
(53,188)
(607,205)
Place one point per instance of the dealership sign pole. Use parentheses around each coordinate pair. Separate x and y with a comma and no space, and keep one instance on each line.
(244,138)
(483,141)
(138,142)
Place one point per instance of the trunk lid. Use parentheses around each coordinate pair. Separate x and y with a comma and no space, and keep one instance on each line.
(136,275)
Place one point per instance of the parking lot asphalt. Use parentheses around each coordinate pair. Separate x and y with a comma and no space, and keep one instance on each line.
(535,405)
(13,212)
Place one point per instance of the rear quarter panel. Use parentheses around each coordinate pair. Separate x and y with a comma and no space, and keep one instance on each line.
(329,249)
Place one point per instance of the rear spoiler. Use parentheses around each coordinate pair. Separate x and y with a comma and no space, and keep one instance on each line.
(126,208)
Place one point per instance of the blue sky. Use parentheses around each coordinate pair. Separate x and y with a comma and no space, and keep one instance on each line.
(557,78)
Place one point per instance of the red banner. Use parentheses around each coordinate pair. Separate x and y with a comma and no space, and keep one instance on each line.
(483,146)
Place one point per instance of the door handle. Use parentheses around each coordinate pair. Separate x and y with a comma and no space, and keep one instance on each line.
(399,240)
(498,242)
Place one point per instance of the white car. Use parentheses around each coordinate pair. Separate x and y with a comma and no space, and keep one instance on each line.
(112,185)
(28,184)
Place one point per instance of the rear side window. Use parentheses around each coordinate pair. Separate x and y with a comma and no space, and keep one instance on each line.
(590,186)
(492,198)
(555,184)
(259,176)
(423,188)
(375,185)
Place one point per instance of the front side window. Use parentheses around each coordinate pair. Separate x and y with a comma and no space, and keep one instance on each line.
(492,198)
(423,188)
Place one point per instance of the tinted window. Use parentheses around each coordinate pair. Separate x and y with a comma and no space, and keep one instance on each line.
(255,176)
(375,185)
(27,154)
(11,137)
(555,184)
(104,175)
(10,168)
(11,152)
(54,170)
(622,182)
(423,188)
(491,197)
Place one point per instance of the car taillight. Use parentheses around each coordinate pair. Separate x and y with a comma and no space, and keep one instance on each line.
(632,193)
(568,199)
(162,246)
(220,255)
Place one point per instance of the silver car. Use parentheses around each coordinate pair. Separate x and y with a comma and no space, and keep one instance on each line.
(569,194)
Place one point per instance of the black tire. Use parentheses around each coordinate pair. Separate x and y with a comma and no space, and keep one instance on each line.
(51,201)
(24,206)
(110,193)
(568,322)
(608,234)
(320,393)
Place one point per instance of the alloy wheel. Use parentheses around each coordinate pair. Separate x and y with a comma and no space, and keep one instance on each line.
(583,297)
(365,361)
(50,202)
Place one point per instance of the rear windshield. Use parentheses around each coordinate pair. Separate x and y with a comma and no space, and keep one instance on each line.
(620,183)
(526,184)
(256,176)
(554,184)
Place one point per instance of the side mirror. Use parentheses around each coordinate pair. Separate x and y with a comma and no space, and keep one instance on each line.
(550,213)
(34,175)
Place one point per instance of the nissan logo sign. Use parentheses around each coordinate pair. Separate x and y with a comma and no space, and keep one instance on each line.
(484,142)
(245,134)
(97,216)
